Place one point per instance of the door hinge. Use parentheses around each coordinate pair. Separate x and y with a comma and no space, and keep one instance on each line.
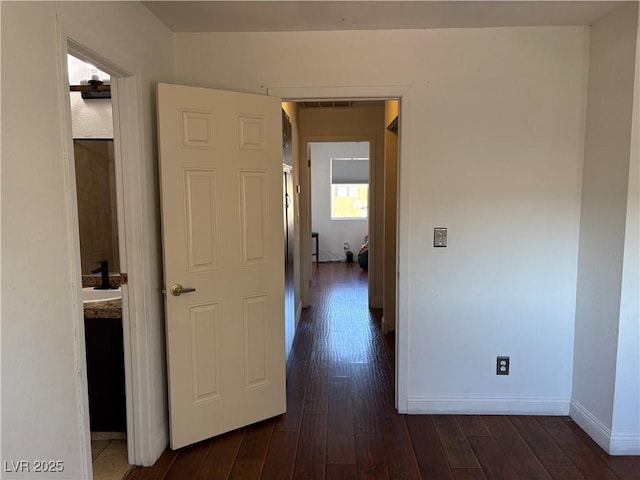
(309,163)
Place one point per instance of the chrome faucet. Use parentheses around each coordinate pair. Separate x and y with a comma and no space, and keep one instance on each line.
(105,284)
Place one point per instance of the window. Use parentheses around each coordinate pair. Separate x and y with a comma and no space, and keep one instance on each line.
(349,188)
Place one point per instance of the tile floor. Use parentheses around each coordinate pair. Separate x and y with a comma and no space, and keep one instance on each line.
(109,459)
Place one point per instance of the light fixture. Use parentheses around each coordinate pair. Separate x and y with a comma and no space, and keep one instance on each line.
(93,88)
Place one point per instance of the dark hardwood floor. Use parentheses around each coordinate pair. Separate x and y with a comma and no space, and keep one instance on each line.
(341,424)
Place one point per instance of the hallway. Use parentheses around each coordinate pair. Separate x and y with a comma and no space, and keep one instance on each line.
(341,423)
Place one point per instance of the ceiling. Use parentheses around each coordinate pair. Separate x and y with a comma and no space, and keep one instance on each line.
(279,16)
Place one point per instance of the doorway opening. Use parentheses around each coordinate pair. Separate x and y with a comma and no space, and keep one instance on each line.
(363,122)
(374,122)
(97,199)
(340,200)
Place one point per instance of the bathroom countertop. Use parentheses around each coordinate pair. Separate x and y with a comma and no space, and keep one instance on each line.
(110,309)
(95,280)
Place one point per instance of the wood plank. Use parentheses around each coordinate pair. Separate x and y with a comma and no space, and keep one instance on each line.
(316,398)
(564,472)
(312,443)
(581,434)
(454,443)
(341,472)
(253,450)
(340,438)
(472,425)
(338,363)
(589,465)
(468,474)
(370,457)
(302,347)
(429,454)
(219,461)
(492,459)
(290,421)
(401,459)
(189,460)
(539,441)
(624,466)
(365,380)
(159,469)
(371,412)
(297,374)
(525,463)
(372,376)
(131,473)
(281,456)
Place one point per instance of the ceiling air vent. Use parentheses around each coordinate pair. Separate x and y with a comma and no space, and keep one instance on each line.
(327,104)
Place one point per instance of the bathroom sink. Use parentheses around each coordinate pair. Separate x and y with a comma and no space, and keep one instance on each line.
(91,295)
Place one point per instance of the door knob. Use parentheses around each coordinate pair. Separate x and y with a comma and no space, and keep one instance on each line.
(177,289)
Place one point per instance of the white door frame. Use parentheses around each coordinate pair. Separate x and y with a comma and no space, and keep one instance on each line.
(371,92)
(142,443)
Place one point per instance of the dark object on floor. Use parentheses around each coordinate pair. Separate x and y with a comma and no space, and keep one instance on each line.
(363,254)
(349,256)
(363,260)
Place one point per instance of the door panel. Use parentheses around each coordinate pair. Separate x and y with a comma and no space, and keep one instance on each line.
(206,341)
(253,206)
(221,185)
(202,218)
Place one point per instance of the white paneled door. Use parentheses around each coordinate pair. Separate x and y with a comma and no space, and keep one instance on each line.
(221,184)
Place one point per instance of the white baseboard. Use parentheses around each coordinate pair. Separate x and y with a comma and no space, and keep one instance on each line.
(489,405)
(613,444)
(625,444)
(598,431)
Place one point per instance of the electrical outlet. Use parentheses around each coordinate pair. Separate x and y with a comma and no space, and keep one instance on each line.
(346,246)
(502,366)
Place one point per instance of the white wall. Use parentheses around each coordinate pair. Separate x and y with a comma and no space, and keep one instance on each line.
(333,233)
(90,118)
(626,412)
(606,332)
(491,148)
(44,404)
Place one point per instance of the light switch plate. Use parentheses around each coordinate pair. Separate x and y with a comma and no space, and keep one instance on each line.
(439,237)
